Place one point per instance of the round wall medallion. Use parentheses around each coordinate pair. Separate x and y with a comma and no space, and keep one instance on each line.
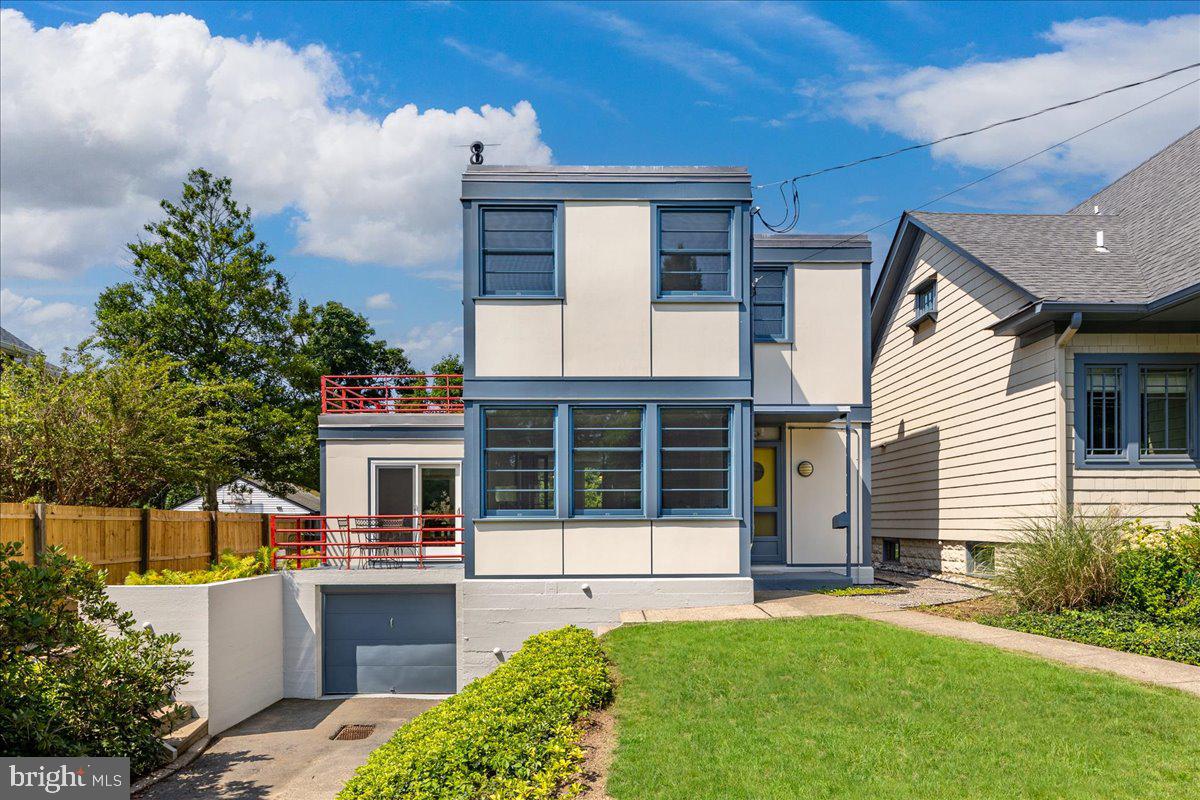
(804,469)
(759,472)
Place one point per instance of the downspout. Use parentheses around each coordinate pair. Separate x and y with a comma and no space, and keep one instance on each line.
(849,515)
(1062,483)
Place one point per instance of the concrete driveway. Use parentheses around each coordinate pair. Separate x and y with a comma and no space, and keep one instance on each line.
(285,751)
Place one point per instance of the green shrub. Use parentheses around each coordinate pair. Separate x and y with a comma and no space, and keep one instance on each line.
(508,736)
(1069,561)
(228,567)
(1159,571)
(78,677)
(1114,627)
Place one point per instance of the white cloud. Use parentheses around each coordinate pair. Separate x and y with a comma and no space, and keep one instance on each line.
(1089,55)
(49,327)
(380,301)
(102,119)
(425,344)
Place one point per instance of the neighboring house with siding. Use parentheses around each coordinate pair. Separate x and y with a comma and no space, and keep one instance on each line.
(658,410)
(1023,361)
(249,496)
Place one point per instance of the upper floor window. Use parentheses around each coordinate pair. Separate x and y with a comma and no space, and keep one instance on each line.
(1166,410)
(606,460)
(695,252)
(518,251)
(1137,410)
(925,298)
(694,460)
(518,461)
(769,308)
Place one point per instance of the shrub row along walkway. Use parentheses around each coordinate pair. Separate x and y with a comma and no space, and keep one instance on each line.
(1140,668)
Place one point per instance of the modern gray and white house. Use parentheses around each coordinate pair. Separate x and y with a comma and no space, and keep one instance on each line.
(658,408)
(1022,363)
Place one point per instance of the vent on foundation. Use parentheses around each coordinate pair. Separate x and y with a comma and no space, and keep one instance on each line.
(348,733)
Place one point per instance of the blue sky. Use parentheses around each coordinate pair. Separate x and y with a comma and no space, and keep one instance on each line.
(298,102)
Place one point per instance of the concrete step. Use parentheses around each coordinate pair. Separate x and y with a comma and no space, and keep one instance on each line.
(187,735)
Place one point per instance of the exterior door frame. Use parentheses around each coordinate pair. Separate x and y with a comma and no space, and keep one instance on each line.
(417,466)
(779,509)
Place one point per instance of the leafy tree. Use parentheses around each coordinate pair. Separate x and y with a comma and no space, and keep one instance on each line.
(77,676)
(450,364)
(117,434)
(335,340)
(204,293)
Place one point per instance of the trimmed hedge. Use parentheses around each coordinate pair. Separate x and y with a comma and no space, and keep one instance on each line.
(508,736)
(1114,627)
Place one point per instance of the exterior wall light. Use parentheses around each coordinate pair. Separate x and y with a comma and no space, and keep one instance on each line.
(804,469)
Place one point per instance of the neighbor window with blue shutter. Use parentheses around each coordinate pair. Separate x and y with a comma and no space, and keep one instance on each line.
(769,308)
(695,252)
(518,251)
(695,460)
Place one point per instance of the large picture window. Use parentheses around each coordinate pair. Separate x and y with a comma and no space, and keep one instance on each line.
(1137,410)
(769,308)
(518,252)
(694,460)
(606,461)
(695,252)
(518,457)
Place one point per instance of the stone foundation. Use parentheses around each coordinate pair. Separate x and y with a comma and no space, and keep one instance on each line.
(932,557)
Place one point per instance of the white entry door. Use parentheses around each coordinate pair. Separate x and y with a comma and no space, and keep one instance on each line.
(817,498)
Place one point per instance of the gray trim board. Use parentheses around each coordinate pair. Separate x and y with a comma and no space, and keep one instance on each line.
(633,389)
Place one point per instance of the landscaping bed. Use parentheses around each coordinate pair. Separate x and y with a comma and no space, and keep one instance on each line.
(841,707)
(512,734)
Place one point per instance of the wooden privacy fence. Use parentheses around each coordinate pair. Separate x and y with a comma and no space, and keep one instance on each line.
(124,540)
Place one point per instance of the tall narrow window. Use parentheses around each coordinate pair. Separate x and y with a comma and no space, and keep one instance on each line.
(770,305)
(694,252)
(925,298)
(518,251)
(518,461)
(1104,412)
(1166,404)
(606,460)
(695,460)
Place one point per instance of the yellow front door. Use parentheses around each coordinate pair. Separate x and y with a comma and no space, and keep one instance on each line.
(767,542)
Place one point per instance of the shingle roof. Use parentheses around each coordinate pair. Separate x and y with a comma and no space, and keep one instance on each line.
(1151,223)
(13,344)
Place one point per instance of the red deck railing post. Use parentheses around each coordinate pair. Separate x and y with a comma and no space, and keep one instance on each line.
(273,551)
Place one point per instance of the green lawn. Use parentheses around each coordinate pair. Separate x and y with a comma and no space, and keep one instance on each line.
(837,707)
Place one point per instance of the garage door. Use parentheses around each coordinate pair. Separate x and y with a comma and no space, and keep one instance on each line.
(389,641)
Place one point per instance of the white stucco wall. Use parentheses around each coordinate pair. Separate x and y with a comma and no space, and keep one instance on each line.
(823,363)
(235,632)
(348,467)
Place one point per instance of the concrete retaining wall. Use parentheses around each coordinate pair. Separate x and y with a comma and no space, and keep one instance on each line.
(235,632)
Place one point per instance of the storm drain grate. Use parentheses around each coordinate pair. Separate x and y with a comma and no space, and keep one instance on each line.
(348,733)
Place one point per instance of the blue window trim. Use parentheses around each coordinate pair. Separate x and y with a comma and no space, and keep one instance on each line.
(922,312)
(517,512)
(734,295)
(1131,411)
(731,470)
(640,511)
(787,336)
(559,250)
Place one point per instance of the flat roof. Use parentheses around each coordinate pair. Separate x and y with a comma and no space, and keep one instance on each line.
(624,174)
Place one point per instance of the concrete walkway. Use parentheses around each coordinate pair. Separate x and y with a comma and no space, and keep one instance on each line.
(1184,677)
(285,751)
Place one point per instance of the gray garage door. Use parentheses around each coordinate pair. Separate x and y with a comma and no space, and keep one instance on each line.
(389,641)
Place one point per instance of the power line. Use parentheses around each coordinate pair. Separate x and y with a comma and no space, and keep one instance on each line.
(912,147)
(994,173)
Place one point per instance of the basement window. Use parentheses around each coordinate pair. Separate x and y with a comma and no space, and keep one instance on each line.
(981,558)
(891,551)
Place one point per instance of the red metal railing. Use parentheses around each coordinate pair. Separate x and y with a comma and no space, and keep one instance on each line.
(391,394)
(367,541)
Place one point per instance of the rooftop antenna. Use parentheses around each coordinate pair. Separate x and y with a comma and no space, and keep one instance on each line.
(477,152)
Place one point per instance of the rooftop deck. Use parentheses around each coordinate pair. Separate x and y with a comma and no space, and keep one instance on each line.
(391,394)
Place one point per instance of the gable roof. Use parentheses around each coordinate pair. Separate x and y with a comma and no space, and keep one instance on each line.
(1150,218)
(9,343)
(295,494)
